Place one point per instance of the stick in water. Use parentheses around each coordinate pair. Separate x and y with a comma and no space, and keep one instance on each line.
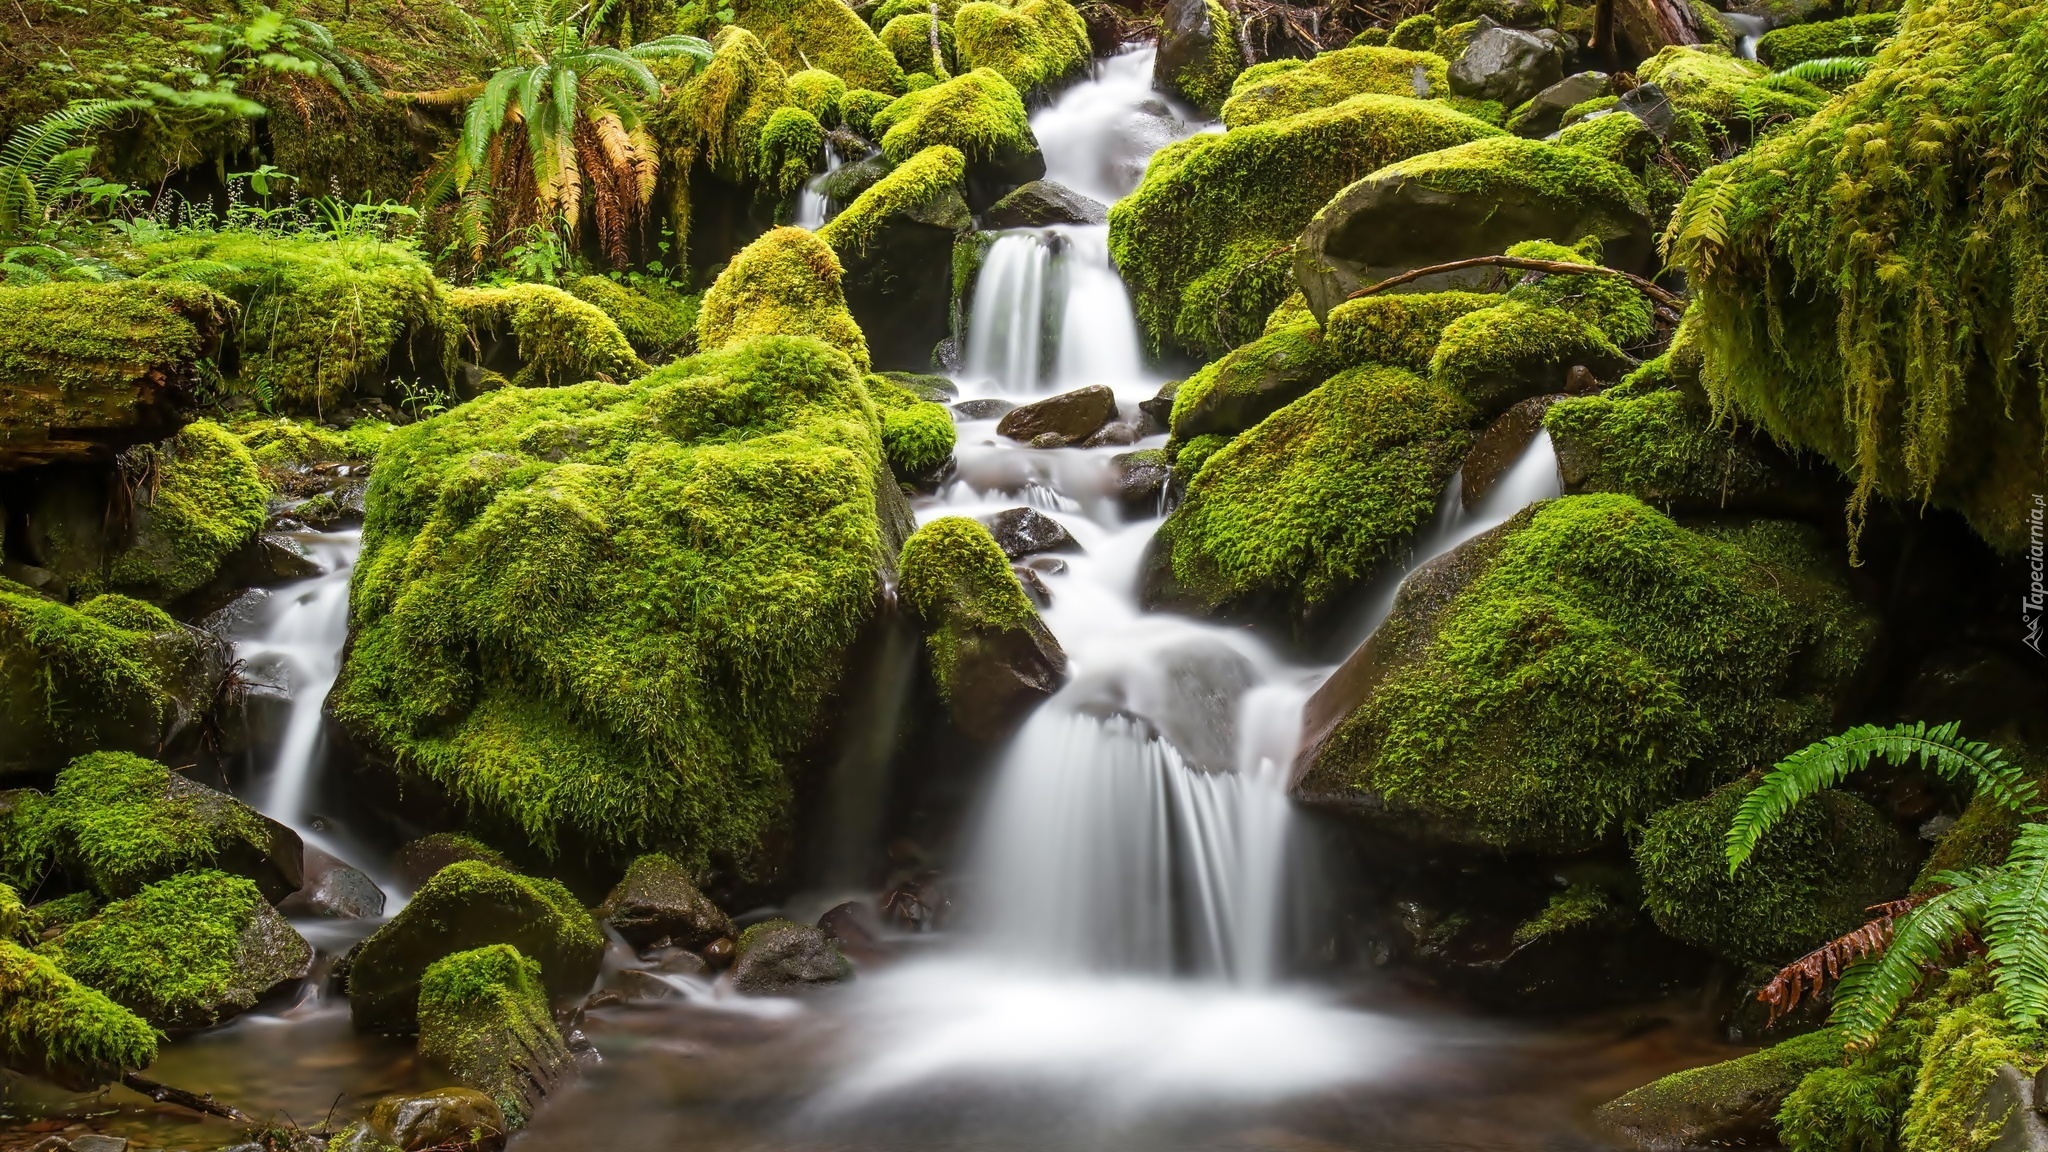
(165,1094)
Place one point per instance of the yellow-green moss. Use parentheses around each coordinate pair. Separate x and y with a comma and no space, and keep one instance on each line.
(1030,42)
(1958,1061)
(909,39)
(890,9)
(717,116)
(1332,78)
(1398,328)
(1320,495)
(1244,387)
(1515,349)
(658,320)
(1415,33)
(484,1017)
(1613,306)
(53,1027)
(956,579)
(1661,446)
(106,674)
(198,498)
(1206,80)
(818,92)
(1852,36)
(916,182)
(119,821)
(859,107)
(561,339)
(823,34)
(792,148)
(1723,88)
(787,283)
(917,434)
(1206,241)
(979,113)
(12,912)
(1685,1101)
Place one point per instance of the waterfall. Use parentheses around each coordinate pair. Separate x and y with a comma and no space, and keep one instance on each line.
(1747,29)
(1097,340)
(295,640)
(1005,335)
(813,207)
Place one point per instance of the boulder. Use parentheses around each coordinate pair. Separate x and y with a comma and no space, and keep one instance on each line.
(778,956)
(1197,57)
(1475,199)
(1041,204)
(1022,532)
(657,900)
(1644,28)
(420,860)
(445,1119)
(896,244)
(335,890)
(1545,110)
(1506,64)
(1497,448)
(1068,418)
(54,1028)
(467,905)
(1732,1104)
(484,1018)
(1138,480)
(993,658)
(1252,382)
(980,114)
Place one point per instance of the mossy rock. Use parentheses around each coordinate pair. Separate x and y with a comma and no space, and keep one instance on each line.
(1854,36)
(421,859)
(716,117)
(539,336)
(917,434)
(1729,91)
(1332,78)
(200,499)
(981,115)
(54,1028)
(909,38)
(1728,1104)
(993,658)
(1318,498)
(1206,241)
(783,956)
(88,369)
(660,321)
(1198,57)
(1474,199)
(1252,382)
(1976,1070)
(467,905)
(896,242)
(110,673)
(1030,42)
(821,34)
(188,952)
(1811,880)
(1400,329)
(657,899)
(1498,356)
(787,283)
(818,92)
(1818,257)
(484,1018)
(118,822)
(1566,675)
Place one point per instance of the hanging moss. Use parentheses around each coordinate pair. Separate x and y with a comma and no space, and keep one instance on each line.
(786,283)
(1030,42)
(1853,36)
(917,182)
(821,34)
(979,113)
(1205,81)
(484,1017)
(118,821)
(198,497)
(1398,328)
(1595,661)
(1658,444)
(1320,496)
(1216,212)
(1332,78)
(54,1028)
(1958,1062)
(658,320)
(717,116)
(818,92)
(909,39)
(1869,283)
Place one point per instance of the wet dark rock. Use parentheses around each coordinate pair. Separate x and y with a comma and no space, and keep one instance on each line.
(679,962)
(1068,418)
(639,986)
(1545,110)
(1116,434)
(1139,481)
(1022,532)
(1186,38)
(1160,406)
(856,931)
(1506,64)
(983,409)
(334,890)
(778,956)
(1497,448)
(657,900)
(1041,204)
(899,286)
(1649,104)
(720,952)
(918,904)
(845,185)
(419,860)
(446,1120)
(1047,565)
(1034,586)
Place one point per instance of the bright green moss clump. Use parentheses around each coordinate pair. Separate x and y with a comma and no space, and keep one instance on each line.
(111,673)
(1854,36)
(659,321)
(792,147)
(1030,42)
(1206,241)
(1613,306)
(1332,78)
(818,92)
(120,821)
(1319,496)
(1496,356)
(185,952)
(909,39)
(914,184)
(1810,880)
(484,1016)
(821,34)
(917,434)
(1398,328)
(716,117)
(1242,388)
(979,113)
(1595,661)
(1660,446)
(200,497)
(958,582)
(1205,81)
(1693,1099)
(55,1028)
(1726,89)
(1958,1061)
(615,612)
(859,107)
(1867,290)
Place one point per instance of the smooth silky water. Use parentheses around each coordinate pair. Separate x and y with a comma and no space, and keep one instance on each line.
(1118,976)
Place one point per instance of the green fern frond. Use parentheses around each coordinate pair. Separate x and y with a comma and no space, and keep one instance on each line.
(2016,927)
(1830,72)
(39,160)
(1826,763)
(1873,990)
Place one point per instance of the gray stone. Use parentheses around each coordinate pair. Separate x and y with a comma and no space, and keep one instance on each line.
(334,890)
(1545,110)
(983,409)
(657,900)
(1505,64)
(1043,203)
(1068,418)
(1139,481)
(781,956)
(1021,532)
(1648,104)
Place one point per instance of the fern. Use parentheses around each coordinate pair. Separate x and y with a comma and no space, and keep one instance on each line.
(1872,991)
(43,161)
(1830,72)
(2016,927)
(1699,230)
(1830,761)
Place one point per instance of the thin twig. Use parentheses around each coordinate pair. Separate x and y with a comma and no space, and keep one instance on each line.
(1530,264)
(165,1094)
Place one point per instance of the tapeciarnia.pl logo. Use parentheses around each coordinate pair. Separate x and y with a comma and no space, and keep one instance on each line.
(2036,599)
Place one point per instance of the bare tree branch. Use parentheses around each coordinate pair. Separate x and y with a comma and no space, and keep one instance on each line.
(1556,267)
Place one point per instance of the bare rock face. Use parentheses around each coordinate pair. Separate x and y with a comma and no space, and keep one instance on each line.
(1022,532)
(1059,421)
(1043,203)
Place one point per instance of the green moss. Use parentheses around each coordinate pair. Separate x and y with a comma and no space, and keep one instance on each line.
(318,316)
(1958,1062)
(53,1027)
(914,184)
(659,321)
(1585,108)
(957,581)
(717,117)
(1206,80)
(1854,36)
(1244,387)
(13,913)
(1810,881)
(979,113)
(825,34)
(1597,661)
(1614,306)
(120,821)
(1319,496)
(1848,1108)
(1206,241)
(1609,195)
(174,952)
(787,283)
(484,1017)
(1332,78)
(917,434)
(73,681)
(1865,292)
(1287,313)
(1190,457)
(891,9)
(26,849)
(198,499)
(1661,446)
(859,107)
(1728,90)
(1030,42)
(561,339)
(909,39)
(1415,33)
(1690,1100)
(1516,349)
(818,92)
(1577,908)
(1453,38)
(792,148)
(61,913)
(1398,328)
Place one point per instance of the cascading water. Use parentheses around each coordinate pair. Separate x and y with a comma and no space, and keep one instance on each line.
(813,207)
(1747,29)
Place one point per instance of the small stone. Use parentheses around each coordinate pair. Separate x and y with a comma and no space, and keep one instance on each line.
(1140,478)
(1068,418)
(1505,64)
(1022,532)
(445,1118)
(334,890)
(983,409)
(719,953)
(638,985)
(1648,104)
(1043,203)
(98,1143)
(781,956)
(655,900)
(1034,586)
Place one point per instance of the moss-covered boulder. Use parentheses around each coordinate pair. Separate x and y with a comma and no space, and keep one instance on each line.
(657,319)
(657,900)
(538,335)
(993,658)
(484,1018)
(981,115)
(1399,329)
(821,34)
(777,956)
(1569,673)
(1198,55)
(1320,496)
(111,673)
(1730,1104)
(1811,880)
(787,283)
(1206,241)
(88,369)
(896,243)
(1475,199)
(1851,36)
(454,1118)
(199,498)
(1262,94)
(1031,42)
(54,1028)
(1864,293)
(117,822)
(1497,356)
(467,905)
(1252,382)
(420,860)
(909,39)
(188,952)
(917,434)
(709,129)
